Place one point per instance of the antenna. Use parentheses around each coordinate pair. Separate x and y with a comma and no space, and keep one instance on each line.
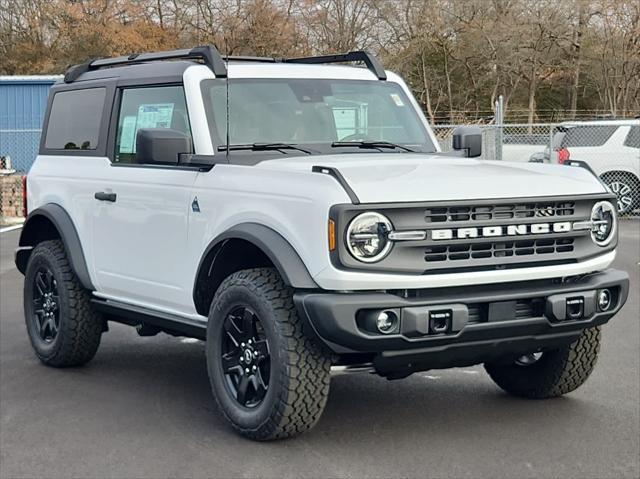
(226,47)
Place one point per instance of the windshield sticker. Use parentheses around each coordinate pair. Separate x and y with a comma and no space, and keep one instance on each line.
(396,98)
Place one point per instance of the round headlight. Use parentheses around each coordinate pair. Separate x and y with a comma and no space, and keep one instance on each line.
(604,220)
(367,239)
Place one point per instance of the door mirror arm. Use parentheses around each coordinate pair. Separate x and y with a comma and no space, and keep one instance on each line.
(204,162)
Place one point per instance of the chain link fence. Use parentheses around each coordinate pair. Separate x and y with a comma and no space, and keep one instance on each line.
(611,149)
(18,149)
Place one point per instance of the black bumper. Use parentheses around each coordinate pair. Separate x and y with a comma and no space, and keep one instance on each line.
(484,322)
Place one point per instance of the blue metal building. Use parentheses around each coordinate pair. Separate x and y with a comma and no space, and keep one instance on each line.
(23,100)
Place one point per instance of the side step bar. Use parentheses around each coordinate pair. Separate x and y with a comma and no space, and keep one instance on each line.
(135,315)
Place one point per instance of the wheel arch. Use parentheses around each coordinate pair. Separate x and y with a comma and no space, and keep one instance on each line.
(247,245)
(49,222)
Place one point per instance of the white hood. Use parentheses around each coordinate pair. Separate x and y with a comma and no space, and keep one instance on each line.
(397,177)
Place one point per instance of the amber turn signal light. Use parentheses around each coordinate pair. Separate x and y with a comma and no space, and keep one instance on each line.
(332,235)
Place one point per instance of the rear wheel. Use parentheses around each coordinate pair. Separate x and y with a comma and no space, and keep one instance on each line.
(270,380)
(63,327)
(626,187)
(549,373)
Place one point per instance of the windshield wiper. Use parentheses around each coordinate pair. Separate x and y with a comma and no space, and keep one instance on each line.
(263,147)
(373,144)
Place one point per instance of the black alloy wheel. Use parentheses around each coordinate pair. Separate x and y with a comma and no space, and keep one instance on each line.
(46,305)
(246,362)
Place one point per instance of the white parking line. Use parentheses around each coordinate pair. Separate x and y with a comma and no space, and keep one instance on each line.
(10,228)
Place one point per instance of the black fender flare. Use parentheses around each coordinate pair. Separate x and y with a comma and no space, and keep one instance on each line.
(283,256)
(62,222)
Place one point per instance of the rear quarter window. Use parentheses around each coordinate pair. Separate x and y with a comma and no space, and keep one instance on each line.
(588,135)
(74,121)
(633,137)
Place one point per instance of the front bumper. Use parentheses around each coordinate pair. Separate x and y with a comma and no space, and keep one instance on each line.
(486,322)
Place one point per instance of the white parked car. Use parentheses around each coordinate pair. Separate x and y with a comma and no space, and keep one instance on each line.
(611,148)
(300,217)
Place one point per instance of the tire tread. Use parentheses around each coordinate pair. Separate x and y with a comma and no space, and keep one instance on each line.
(306,371)
(564,370)
(83,326)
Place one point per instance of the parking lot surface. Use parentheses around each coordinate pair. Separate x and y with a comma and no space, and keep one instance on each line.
(143,408)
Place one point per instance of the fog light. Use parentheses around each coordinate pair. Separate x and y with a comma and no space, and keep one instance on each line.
(386,322)
(604,299)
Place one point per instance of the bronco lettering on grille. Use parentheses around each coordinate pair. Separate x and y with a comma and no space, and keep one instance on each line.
(497,231)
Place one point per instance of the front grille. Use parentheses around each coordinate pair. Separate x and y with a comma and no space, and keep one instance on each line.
(498,249)
(481,235)
(499,212)
(525,309)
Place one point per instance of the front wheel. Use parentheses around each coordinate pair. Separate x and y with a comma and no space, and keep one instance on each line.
(549,373)
(270,380)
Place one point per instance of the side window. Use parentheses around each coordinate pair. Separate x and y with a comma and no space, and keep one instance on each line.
(633,137)
(588,135)
(150,107)
(74,121)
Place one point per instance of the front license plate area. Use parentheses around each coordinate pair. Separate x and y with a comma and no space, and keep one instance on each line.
(502,311)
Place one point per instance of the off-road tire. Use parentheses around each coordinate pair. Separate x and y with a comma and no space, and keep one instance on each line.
(80,326)
(300,367)
(557,372)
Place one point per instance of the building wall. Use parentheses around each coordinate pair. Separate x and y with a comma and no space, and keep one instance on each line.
(11,198)
(23,101)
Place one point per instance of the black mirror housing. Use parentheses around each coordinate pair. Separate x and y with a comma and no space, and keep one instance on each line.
(161,146)
(469,139)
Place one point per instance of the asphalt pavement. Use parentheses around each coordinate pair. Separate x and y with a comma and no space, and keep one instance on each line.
(143,409)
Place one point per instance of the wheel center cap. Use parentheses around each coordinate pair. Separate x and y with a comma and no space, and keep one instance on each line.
(248,356)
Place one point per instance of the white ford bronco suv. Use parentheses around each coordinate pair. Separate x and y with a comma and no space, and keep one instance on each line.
(299,217)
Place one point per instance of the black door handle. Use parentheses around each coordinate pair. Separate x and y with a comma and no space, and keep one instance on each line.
(102,196)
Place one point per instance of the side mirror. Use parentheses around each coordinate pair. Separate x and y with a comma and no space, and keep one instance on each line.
(161,146)
(469,139)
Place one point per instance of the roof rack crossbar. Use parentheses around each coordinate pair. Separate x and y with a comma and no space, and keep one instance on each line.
(245,58)
(364,56)
(208,54)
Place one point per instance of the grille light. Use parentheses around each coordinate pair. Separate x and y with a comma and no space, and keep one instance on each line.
(367,237)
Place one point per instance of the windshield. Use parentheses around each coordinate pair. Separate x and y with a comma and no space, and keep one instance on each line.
(314,114)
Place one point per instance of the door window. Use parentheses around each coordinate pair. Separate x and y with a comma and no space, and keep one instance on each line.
(151,107)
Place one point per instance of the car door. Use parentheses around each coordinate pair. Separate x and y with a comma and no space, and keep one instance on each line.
(140,226)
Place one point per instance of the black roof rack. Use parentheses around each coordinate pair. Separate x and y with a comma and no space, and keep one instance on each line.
(209,54)
(212,58)
(367,58)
